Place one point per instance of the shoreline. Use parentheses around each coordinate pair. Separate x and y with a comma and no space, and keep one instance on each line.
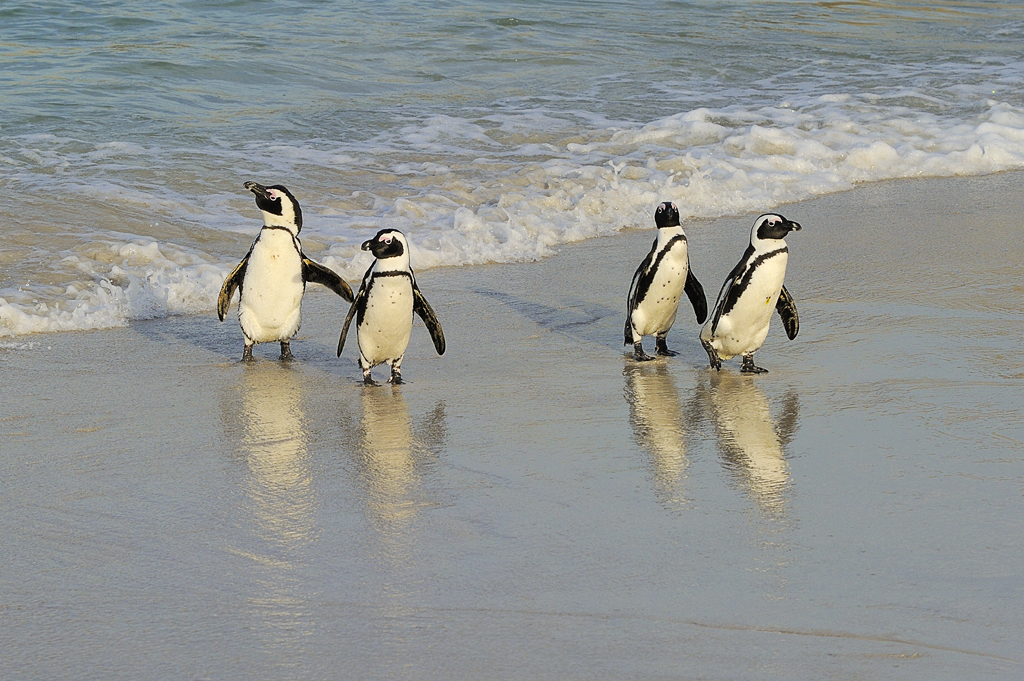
(204,271)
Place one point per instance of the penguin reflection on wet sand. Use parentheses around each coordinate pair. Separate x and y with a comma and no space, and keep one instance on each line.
(384,307)
(661,425)
(659,283)
(272,276)
(752,441)
(752,291)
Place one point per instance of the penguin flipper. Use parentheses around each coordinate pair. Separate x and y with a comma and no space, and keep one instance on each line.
(319,274)
(723,298)
(421,307)
(358,304)
(695,292)
(233,281)
(787,310)
(344,328)
(637,290)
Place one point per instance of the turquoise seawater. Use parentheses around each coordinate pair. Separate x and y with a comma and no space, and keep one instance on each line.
(487,131)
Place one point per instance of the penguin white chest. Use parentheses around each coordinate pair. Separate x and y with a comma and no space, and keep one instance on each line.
(270,305)
(384,330)
(745,327)
(656,313)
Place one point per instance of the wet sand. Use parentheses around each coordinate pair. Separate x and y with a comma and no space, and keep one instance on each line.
(535,504)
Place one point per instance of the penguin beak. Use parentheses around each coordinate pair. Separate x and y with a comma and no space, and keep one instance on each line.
(793,226)
(257,189)
(367,245)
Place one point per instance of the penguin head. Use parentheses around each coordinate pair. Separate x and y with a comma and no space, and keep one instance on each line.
(771,227)
(388,243)
(666,215)
(280,209)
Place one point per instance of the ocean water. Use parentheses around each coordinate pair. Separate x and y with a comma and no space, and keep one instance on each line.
(487,131)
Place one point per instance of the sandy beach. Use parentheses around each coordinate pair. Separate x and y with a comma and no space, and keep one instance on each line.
(535,504)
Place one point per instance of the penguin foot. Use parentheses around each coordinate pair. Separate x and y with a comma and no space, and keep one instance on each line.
(396,372)
(286,352)
(247,354)
(661,348)
(749,368)
(368,379)
(639,354)
(716,362)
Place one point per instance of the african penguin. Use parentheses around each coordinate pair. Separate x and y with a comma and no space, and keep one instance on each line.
(273,274)
(659,283)
(751,292)
(384,306)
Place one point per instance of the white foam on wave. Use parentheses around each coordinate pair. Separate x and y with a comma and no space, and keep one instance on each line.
(122,281)
(504,187)
(709,162)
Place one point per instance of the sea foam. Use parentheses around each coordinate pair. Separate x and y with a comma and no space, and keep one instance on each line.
(507,186)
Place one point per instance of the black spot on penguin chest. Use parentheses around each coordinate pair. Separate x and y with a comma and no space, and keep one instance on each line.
(668,277)
(376,294)
(393,297)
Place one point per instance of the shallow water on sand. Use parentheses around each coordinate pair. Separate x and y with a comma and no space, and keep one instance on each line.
(534,504)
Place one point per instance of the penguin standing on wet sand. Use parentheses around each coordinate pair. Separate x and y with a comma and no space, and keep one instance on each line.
(273,274)
(752,291)
(384,306)
(659,283)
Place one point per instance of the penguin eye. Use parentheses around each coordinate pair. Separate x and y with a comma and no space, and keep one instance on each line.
(386,239)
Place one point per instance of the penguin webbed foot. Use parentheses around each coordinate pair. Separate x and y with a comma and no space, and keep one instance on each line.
(639,354)
(661,348)
(749,368)
(368,379)
(247,354)
(395,379)
(713,358)
(286,352)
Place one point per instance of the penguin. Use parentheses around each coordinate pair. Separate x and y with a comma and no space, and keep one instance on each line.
(751,292)
(384,307)
(273,274)
(659,283)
